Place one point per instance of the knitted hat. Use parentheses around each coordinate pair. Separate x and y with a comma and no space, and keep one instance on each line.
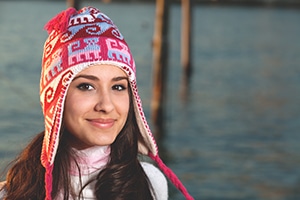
(77,40)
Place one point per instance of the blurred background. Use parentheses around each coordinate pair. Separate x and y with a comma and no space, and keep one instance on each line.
(235,133)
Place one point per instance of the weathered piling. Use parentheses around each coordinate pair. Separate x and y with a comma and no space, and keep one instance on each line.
(160,58)
(186,35)
(74,3)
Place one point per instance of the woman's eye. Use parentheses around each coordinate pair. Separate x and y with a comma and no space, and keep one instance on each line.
(85,87)
(119,87)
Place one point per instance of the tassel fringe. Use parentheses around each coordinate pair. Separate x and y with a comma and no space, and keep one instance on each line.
(61,21)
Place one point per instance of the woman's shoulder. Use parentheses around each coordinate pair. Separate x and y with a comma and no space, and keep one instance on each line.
(152,171)
(158,180)
(2,190)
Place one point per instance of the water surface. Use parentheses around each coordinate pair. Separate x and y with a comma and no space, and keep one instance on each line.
(234,135)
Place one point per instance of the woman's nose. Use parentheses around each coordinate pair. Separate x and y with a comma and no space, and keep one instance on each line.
(104,102)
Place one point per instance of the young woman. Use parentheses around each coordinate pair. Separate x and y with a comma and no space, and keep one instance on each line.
(95,127)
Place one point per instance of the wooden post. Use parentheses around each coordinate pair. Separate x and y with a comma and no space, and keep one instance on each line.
(74,3)
(160,53)
(186,36)
(185,46)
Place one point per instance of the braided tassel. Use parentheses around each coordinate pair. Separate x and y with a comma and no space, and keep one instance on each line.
(171,175)
(48,181)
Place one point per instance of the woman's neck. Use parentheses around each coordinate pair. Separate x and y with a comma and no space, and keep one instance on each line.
(89,160)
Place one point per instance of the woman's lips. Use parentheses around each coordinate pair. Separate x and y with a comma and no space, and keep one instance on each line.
(102,123)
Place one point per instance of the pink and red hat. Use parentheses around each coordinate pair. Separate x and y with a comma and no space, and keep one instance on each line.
(77,40)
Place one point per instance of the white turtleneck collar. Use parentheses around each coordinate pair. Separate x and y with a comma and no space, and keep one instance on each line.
(90,160)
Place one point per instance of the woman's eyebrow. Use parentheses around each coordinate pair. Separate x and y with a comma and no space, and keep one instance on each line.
(95,78)
(90,77)
(119,78)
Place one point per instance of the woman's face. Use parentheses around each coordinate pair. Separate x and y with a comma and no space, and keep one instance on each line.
(96,106)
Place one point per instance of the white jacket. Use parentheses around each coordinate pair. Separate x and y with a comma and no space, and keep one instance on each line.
(156,177)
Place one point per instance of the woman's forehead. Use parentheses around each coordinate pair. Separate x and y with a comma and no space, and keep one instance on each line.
(103,70)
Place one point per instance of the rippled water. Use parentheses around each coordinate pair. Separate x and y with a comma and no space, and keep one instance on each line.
(234,135)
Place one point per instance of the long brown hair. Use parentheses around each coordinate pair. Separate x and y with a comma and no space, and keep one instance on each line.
(123,178)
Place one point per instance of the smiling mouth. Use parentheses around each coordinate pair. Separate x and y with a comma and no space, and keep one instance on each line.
(102,123)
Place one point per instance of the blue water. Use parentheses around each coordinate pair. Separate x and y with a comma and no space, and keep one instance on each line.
(234,136)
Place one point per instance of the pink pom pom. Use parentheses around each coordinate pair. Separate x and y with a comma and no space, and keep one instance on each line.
(60,21)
